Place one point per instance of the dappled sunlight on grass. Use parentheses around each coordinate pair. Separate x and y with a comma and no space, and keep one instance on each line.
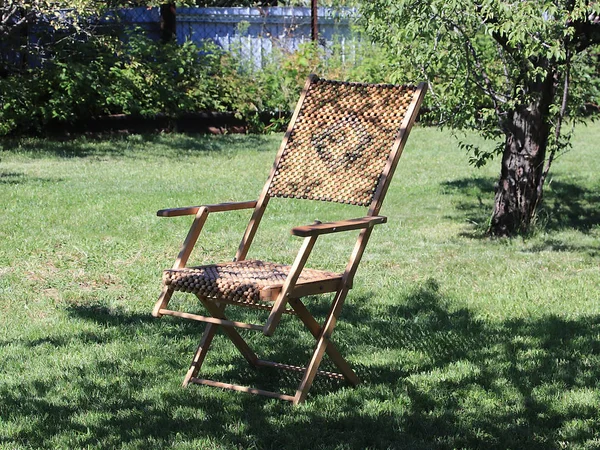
(460,341)
(431,374)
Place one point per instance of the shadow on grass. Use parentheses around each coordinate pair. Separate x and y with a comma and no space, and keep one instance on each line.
(433,377)
(566,205)
(170,145)
(473,200)
(557,245)
(570,205)
(15,178)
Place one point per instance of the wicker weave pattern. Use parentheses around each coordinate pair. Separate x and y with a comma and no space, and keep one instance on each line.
(239,281)
(341,141)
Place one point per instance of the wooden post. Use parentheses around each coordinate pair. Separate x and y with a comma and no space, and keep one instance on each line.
(313,21)
(168,22)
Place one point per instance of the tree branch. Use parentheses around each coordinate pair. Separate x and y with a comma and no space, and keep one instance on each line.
(558,125)
(11,21)
(7,15)
(488,89)
(587,33)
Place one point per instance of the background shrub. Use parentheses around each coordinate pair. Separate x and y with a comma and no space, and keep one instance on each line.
(135,75)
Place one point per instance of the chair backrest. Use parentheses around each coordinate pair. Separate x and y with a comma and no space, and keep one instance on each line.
(342,145)
(341,139)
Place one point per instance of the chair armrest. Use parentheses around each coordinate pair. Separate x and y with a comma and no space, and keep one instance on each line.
(341,225)
(218,207)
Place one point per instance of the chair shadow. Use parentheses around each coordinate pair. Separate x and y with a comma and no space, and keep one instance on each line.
(475,384)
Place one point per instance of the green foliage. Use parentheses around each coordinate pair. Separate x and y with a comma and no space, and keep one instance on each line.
(50,19)
(104,75)
(263,3)
(107,75)
(151,78)
(280,81)
(76,72)
(484,60)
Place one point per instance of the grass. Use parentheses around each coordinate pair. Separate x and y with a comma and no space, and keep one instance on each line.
(461,341)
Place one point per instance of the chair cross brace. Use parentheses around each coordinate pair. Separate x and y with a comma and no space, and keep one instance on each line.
(321,333)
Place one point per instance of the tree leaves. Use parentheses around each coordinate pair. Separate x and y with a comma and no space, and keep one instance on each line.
(482,58)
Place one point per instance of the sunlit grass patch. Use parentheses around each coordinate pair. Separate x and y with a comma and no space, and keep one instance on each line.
(461,341)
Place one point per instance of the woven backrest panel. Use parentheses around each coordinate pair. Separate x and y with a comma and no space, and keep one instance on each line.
(340,142)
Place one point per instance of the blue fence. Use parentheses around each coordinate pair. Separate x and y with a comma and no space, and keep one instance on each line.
(253,33)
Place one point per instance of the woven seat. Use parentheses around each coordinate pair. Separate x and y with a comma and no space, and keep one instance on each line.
(342,145)
(249,281)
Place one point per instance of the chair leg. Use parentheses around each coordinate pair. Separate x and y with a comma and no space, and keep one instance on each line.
(207,337)
(311,371)
(323,344)
(216,310)
(209,333)
(321,347)
(163,301)
(333,353)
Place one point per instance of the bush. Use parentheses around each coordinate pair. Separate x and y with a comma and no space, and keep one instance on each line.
(281,80)
(107,75)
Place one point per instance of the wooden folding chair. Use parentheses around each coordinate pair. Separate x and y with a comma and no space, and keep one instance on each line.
(342,145)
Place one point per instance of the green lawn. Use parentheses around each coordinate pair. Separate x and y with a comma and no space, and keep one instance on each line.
(461,341)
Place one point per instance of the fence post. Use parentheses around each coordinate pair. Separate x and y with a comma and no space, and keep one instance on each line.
(314,20)
(168,22)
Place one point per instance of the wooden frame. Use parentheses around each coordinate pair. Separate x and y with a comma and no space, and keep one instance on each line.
(288,295)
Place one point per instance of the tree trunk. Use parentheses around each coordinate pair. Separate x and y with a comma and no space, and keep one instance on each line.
(518,191)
